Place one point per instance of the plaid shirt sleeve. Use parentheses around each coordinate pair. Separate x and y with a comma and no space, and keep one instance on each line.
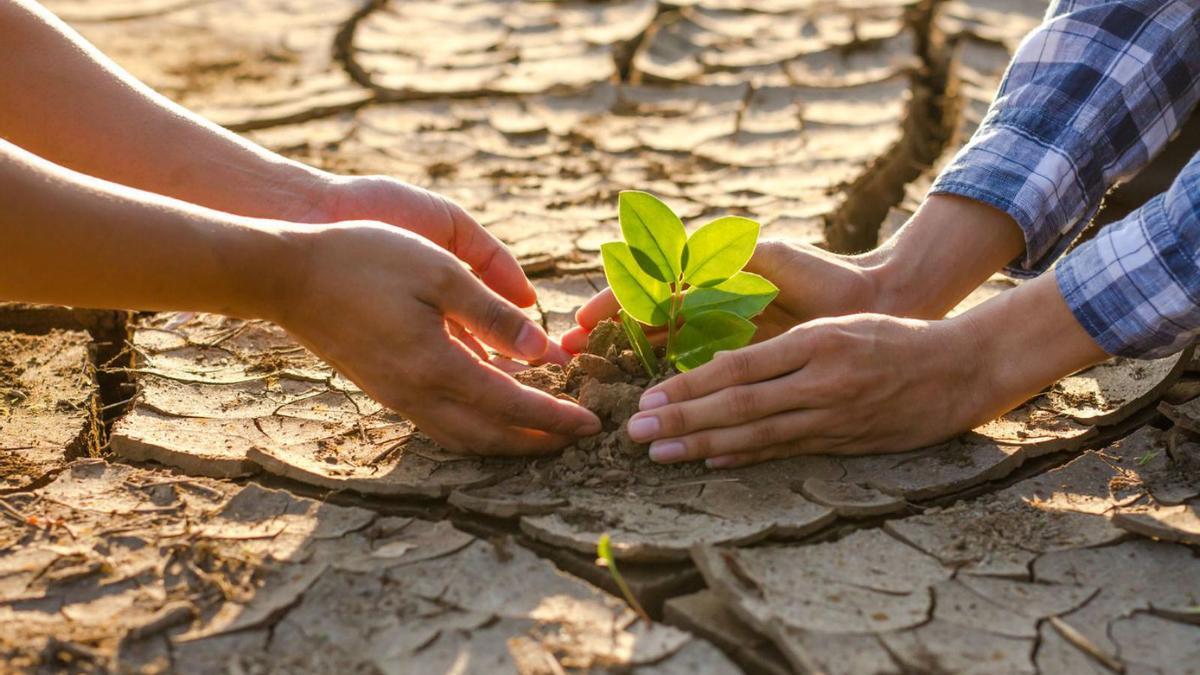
(1135,287)
(1089,98)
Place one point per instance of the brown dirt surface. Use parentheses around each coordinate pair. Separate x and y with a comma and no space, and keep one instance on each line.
(47,412)
(1058,539)
(142,570)
(986,576)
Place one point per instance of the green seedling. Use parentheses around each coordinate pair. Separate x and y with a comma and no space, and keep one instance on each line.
(604,558)
(694,285)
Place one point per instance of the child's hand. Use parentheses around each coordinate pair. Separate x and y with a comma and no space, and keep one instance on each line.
(400,317)
(812,283)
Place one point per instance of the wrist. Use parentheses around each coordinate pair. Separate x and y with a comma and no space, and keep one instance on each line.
(1023,341)
(269,261)
(948,247)
(308,195)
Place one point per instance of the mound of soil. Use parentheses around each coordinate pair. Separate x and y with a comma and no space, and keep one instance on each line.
(607,379)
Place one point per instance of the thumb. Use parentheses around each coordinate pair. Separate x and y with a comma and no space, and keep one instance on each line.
(492,319)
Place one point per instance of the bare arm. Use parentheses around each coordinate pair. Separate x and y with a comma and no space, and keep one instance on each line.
(73,240)
(374,301)
(62,99)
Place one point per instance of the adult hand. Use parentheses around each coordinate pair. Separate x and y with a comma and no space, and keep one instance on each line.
(812,283)
(383,306)
(842,385)
(866,383)
(436,218)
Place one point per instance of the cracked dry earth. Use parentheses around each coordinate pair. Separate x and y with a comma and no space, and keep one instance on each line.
(188,493)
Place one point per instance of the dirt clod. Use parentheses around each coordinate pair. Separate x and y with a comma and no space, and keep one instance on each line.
(607,379)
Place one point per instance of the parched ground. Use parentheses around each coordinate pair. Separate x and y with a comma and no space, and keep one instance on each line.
(189,493)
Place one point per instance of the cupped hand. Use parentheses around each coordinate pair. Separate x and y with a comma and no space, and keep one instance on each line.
(855,384)
(403,319)
(436,218)
(812,283)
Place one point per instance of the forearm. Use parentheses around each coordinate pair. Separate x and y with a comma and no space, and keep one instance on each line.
(949,247)
(69,239)
(67,102)
(1090,98)
(1021,342)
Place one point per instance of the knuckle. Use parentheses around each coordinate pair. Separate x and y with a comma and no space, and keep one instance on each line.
(444,277)
(494,317)
(764,435)
(825,340)
(679,388)
(738,365)
(674,419)
(741,402)
(700,445)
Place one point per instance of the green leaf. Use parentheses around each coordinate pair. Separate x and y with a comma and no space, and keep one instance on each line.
(720,250)
(707,333)
(654,233)
(639,294)
(641,345)
(744,294)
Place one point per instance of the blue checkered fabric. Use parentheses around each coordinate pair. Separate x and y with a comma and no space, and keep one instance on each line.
(1089,98)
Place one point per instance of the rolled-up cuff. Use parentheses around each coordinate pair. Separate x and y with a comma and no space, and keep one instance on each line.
(1131,288)
(1032,167)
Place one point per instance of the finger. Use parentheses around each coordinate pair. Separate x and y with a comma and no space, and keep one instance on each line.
(575,340)
(490,391)
(556,354)
(485,436)
(599,307)
(814,446)
(468,340)
(487,255)
(727,407)
(747,365)
(508,365)
(491,318)
(741,459)
(801,427)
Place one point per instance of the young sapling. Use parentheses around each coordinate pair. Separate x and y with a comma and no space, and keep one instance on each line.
(663,277)
(604,558)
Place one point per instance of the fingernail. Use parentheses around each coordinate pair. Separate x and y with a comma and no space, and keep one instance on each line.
(643,427)
(652,399)
(722,462)
(531,342)
(589,428)
(667,451)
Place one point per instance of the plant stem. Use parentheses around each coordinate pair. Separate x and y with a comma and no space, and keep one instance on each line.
(605,556)
(672,319)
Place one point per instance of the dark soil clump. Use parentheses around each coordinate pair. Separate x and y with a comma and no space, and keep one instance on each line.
(607,379)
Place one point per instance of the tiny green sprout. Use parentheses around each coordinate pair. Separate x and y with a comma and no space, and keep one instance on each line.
(1147,458)
(604,558)
(661,276)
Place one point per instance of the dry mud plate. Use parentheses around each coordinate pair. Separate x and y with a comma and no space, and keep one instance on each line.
(188,493)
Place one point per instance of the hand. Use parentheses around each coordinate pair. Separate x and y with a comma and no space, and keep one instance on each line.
(923,271)
(436,218)
(866,383)
(812,283)
(399,316)
(841,385)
